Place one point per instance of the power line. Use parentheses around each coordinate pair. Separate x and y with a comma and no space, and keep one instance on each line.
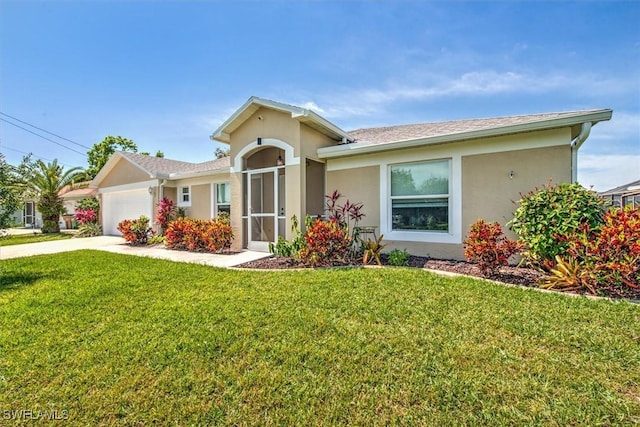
(44,137)
(4,147)
(44,130)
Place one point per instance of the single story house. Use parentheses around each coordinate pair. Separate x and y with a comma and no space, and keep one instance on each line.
(130,185)
(627,194)
(29,216)
(422,185)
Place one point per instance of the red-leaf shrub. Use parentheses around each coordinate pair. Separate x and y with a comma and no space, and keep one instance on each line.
(165,213)
(85,216)
(609,256)
(198,235)
(217,234)
(488,247)
(327,243)
(136,231)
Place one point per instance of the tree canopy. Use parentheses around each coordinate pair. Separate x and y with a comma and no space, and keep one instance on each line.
(46,180)
(12,188)
(100,153)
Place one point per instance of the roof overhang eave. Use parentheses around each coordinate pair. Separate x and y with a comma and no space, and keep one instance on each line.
(314,120)
(319,123)
(178,175)
(366,148)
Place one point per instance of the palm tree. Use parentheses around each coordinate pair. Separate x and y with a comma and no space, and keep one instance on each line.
(46,180)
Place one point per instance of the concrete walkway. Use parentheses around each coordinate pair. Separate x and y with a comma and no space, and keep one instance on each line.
(118,245)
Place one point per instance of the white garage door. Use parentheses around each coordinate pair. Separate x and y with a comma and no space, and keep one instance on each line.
(120,205)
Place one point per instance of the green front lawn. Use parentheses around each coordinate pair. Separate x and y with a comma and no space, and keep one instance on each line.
(114,339)
(21,239)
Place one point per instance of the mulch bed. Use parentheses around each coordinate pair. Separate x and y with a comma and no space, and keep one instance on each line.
(521,276)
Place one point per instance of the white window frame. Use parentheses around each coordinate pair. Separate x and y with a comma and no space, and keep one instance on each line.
(181,202)
(217,205)
(454,234)
(446,196)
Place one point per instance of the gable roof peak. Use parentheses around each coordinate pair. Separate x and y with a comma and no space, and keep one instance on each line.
(254,103)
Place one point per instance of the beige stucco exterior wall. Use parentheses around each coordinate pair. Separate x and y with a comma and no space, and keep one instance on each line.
(359,185)
(480,182)
(311,140)
(236,211)
(314,188)
(271,124)
(274,124)
(200,202)
(488,191)
(170,193)
(123,173)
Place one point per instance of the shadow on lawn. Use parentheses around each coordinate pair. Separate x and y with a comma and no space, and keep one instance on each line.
(12,281)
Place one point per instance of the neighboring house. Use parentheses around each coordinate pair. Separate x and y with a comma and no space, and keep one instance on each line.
(28,216)
(31,217)
(422,185)
(71,197)
(628,194)
(130,185)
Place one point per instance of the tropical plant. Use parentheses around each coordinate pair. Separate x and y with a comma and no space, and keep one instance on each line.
(190,234)
(85,216)
(286,249)
(165,213)
(347,215)
(608,256)
(89,229)
(568,276)
(486,246)
(46,180)
(12,188)
(89,203)
(545,215)
(326,243)
(372,250)
(399,258)
(135,231)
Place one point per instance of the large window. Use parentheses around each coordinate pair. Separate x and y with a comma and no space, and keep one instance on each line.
(420,196)
(223,197)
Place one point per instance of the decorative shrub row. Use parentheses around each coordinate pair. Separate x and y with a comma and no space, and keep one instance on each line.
(197,235)
(568,232)
(327,242)
(606,257)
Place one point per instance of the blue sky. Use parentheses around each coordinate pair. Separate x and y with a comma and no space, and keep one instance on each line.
(166,73)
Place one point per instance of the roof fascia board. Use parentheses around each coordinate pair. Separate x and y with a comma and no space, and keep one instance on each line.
(222,134)
(178,175)
(108,167)
(308,115)
(111,163)
(363,148)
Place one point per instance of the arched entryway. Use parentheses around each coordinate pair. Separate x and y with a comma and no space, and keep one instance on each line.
(264,194)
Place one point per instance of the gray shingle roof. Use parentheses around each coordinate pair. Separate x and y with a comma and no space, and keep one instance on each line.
(161,166)
(387,134)
(626,188)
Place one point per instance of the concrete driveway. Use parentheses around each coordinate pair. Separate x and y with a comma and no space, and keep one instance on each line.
(118,245)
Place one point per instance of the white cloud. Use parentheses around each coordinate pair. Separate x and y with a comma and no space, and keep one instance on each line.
(345,103)
(310,105)
(603,172)
(622,126)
